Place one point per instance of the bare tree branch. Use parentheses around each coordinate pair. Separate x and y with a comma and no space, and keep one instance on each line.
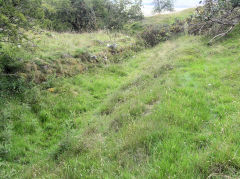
(221,35)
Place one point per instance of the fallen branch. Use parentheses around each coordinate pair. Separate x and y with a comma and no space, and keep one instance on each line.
(220,35)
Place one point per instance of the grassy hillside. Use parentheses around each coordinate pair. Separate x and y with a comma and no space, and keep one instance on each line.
(161,19)
(167,112)
(168,18)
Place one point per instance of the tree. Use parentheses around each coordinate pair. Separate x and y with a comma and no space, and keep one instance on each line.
(113,14)
(124,11)
(216,18)
(163,5)
(17,15)
(82,17)
(85,15)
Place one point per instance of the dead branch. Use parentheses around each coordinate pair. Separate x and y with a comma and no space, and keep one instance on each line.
(221,35)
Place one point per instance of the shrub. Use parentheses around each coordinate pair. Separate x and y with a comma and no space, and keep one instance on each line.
(10,66)
(15,16)
(153,35)
(83,54)
(215,18)
(177,26)
(12,84)
(9,63)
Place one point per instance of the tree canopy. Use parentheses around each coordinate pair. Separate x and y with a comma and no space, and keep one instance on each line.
(216,18)
(17,15)
(163,5)
(83,15)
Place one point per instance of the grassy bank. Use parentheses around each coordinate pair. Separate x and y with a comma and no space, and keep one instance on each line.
(48,55)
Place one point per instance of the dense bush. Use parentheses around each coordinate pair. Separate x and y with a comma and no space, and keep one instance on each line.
(215,18)
(16,16)
(87,15)
(10,65)
(154,34)
(74,15)
(177,26)
(63,15)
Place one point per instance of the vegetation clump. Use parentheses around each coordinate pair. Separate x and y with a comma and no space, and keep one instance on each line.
(215,18)
(83,15)
(155,34)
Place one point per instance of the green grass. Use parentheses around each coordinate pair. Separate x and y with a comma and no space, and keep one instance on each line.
(49,54)
(168,18)
(168,112)
(161,19)
(53,45)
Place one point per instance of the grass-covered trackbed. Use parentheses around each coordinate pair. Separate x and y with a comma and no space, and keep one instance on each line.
(169,112)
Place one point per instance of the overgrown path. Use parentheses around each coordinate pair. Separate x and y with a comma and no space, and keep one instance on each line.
(171,111)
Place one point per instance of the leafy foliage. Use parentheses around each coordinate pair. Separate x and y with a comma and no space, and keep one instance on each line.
(16,16)
(71,14)
(216,18)
(87,15)
(153,35)
(10,66)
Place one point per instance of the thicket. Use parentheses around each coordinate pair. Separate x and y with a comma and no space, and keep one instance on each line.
(216,18)
(87,15)
(16,17)
(153,35)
